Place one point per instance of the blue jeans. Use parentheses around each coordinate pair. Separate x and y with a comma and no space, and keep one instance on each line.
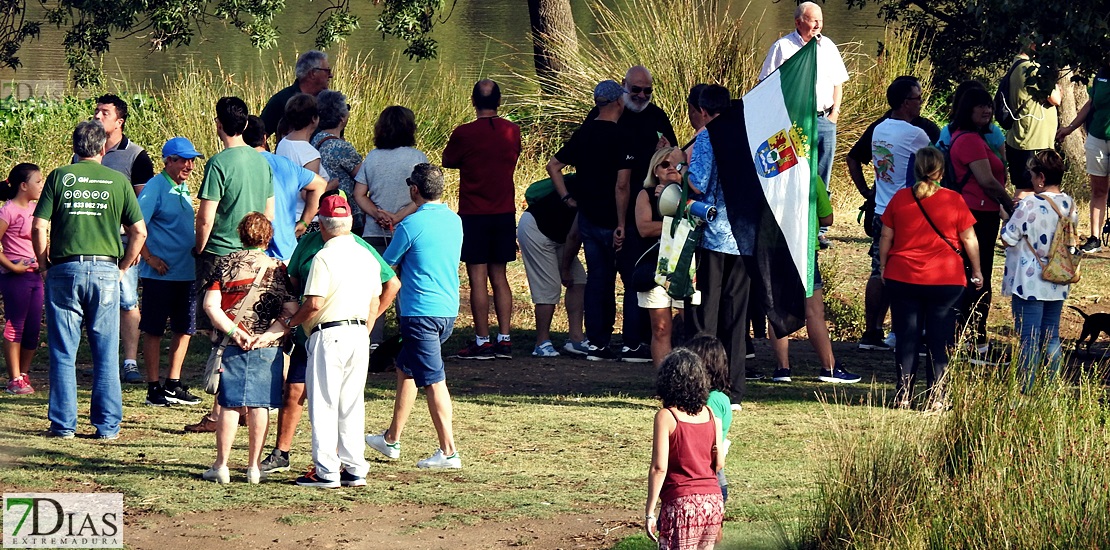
(1038,326)
(84,294)
(826,148)
(601,282)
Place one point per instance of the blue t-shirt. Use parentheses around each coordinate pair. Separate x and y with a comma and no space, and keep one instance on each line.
(289,179)
(426,247)
(170,228)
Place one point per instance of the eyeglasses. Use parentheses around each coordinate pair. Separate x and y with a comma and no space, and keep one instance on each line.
(633,90)
(323,69)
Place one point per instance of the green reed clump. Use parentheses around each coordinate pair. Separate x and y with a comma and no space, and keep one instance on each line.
(1000,469)
(843,312)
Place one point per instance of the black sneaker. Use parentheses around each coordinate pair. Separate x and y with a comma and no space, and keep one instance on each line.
(873,340)
(781,375)
(503,350)
(752,375)
(473,351)
(1091,246)
(839,376)
(601,354)
(638,354)
(276,462)
(156,397)
(180,396)
(351,480)
(311,480)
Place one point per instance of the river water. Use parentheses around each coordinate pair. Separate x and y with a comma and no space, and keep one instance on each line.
(479,37)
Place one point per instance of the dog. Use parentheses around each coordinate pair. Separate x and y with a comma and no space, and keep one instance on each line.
(385,357)
(1093,325)
(1106,233)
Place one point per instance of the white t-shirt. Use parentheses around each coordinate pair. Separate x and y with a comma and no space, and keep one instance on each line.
(347,277)
(830,66)
(892,152)
(302,153)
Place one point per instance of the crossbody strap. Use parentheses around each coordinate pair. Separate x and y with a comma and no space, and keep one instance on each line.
(251,294)
(931,224)
(1059,215)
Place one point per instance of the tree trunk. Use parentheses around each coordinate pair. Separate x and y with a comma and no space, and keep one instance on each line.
(554,39)
(1074,96)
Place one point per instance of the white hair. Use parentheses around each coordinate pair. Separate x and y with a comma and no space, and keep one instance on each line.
(337,226)
(803,8)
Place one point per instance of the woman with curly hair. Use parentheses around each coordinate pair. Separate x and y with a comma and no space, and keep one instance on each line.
(685,457)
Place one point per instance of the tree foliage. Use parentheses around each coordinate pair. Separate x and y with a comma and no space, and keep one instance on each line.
(91,25)
(976,38)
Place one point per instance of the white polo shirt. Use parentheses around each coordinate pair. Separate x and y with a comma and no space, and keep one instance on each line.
(347,277)
(830,66)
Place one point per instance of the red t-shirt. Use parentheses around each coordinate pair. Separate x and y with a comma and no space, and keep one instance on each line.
(485,152)
(970,149)
(918,255)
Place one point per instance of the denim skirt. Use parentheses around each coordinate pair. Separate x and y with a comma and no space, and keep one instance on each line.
(251,378)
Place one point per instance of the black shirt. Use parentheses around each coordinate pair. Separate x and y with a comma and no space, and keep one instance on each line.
(643,131)
(861,151)
(553,217)
(598,150)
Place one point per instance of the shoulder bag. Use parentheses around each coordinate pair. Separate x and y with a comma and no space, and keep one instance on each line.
(214,366)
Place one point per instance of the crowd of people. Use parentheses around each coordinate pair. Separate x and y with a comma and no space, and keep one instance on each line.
(291,260)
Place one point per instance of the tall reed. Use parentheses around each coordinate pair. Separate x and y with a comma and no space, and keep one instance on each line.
(1001,469)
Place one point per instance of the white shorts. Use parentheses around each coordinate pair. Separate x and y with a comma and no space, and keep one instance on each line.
(1098,156)
(656,298)
(541,262)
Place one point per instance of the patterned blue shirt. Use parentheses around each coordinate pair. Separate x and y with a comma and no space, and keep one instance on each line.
(718,235)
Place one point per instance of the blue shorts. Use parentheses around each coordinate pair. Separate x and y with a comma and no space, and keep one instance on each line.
(421,354)
(129,289)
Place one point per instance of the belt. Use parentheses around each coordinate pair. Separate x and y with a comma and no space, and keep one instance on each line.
(824,112)
(84,258)
(331,324)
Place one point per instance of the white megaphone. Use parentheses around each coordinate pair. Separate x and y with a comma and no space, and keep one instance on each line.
(669,199)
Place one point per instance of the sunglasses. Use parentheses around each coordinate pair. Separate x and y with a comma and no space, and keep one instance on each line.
(638,90)
(323,69)
(667,164)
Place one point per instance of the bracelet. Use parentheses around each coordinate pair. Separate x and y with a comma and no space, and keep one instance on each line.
(233,330)
(567,197)
(301,222)
(649,517)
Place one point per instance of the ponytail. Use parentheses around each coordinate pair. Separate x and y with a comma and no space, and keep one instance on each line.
(19,175)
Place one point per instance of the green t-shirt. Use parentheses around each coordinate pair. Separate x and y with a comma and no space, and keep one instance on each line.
(240,180)
(1100,106)
(722,408)
(1036,123)
(824,205)
(86,203)
(300,263)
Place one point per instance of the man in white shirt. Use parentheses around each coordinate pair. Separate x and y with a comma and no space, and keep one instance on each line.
(831,76)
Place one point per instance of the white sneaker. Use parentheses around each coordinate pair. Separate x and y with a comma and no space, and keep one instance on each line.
(576,348)
(377,442)
(545,349)
(438,460)
(219,475)
(254,475)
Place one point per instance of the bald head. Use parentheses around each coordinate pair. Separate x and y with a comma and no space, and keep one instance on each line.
(808,20)
(637,88)
(486,95)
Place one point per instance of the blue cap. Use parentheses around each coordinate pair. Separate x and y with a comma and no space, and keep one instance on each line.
(606,92)
(180,147)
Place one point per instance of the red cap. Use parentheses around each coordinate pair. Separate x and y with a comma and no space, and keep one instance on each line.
(335,206)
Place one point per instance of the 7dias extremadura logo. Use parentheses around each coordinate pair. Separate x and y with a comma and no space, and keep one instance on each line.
(63,520)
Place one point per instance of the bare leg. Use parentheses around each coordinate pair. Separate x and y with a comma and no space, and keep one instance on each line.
(129,333)
(25,357)
(780,347)
(12,356)
(502,297)
(875,304)
(179,346)
(258,420)
(479,298)
(1099,185)
(544,314)
(152,355)
(660,333)
(289,416)
(402,406)
(439,405)
(575,301)
(818,330)
(226,426)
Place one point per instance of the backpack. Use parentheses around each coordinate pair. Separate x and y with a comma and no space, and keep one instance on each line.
(948,180)
(1062,265)
(542,188)
(1003,112)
